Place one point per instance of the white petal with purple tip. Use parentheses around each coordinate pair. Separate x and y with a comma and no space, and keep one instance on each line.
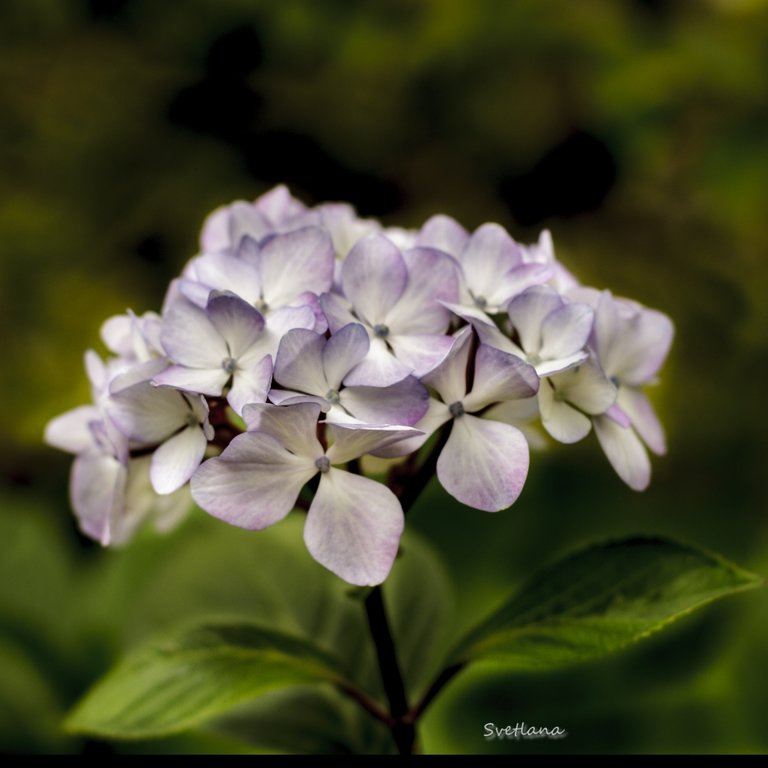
(209,381)
(254,486)
(299,362)
(174,462)
(239,324)
(624,451)
(71,431)
(499,376)
(352,442)
(293,426)
(373,277)
(190,338)
(343,351)
(636,405)
(566,330)
(449,378)
(484,463)
(402,403)
(353,527)
(250,385)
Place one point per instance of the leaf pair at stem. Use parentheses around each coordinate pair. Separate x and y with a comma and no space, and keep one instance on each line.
(587,605)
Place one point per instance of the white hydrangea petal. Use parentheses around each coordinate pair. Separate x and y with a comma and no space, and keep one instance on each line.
(206,381)
(221,272)
(353,527)
(561,420)
(174,462)
(433,277)
(586,387)
(499,376)
(295,262)
(299,362)
(515,282)
(421,353)
(97,483)
(402,403)
(527,313)
(490,253)
(625,451)
(566,330)
(71,430)
(449,378)
(238,323)
(436,415)
(148,414)
(253,486)
(190,338)
(547,368)
(353,441)
(484,464)
(637,406)
(337,310)
(344,350)
(444,233)
(294,426)
(373,277)
(380,368)
(250,385)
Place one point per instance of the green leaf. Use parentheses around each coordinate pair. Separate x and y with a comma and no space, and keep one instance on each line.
(600,600)
(195,675)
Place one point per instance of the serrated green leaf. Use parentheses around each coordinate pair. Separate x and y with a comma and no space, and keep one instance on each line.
(600,600)
(195,675)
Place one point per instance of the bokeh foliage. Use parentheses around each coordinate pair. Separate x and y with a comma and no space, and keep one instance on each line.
(634,130)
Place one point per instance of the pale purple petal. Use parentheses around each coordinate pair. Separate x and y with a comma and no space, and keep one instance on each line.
(380,368)
(221,272)
(437,414)
(624,451)
(97,483)
(337,310)
(487,331)
(143,372)
(246,220)
(176,459)
(421,353)
(344,350)
(489,254)
(353,527)
(565,331)
(499,376)
(484,463)
(299,362)
(373,277)
(527,313)
(311,300)
(636,405)
(402,403)
(294,263)
(285,319)
(294,426)
(148,414)
(586,387)
(516,281)
(71,431)
(289,397)
(550,367)
(632,341)
(253,486)
(449,378)
(279,205)
(239,324)
(215,234)
(561,420)
(251,384)
(352,442)
(433,277)
(208,381)
(190,338)
(444,233)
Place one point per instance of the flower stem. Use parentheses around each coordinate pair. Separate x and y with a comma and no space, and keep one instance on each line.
(403,732)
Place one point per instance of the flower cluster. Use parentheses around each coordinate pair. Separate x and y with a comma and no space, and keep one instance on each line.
(301,340)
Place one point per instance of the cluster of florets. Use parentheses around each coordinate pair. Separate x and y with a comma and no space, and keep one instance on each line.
(301,340)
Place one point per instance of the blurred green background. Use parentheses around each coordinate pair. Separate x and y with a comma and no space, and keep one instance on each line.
(636,130)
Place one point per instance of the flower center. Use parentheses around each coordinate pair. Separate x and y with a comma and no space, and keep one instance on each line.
(456,409)
(323,463)
(261,305)
(332,396)
(229,364)
(380,331)
(481,302)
